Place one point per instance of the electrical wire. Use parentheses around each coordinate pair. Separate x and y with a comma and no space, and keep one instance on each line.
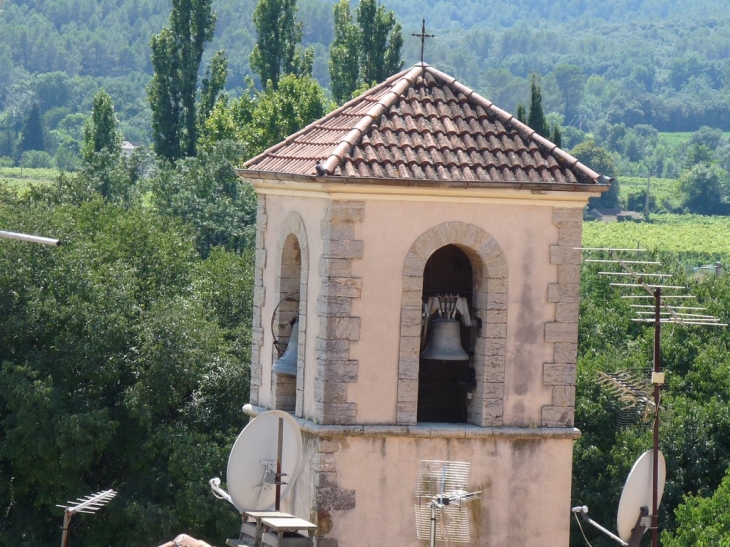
(581,530)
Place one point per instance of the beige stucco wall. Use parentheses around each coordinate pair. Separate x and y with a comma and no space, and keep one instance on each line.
(525,509)
(389,229)
(523,230)
(524,500)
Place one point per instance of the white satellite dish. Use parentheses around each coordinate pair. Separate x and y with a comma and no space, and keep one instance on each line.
(634,508)
(252,466)
(637,492)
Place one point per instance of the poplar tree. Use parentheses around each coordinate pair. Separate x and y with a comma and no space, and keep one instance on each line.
(277,51)
(344,62)
(101,133)
(176,55)
(364,53)
(381,40)
(212,85)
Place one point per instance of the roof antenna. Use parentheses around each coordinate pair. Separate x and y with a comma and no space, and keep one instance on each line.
(423,37)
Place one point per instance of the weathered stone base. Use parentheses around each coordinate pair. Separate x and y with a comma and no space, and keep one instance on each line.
(357,481)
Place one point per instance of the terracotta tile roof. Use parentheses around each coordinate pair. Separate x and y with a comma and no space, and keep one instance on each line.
(422,125)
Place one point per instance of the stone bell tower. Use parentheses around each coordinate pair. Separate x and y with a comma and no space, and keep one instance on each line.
(418,189)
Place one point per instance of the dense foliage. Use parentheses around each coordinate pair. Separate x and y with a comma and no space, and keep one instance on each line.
(124,352)
(695,423)
(615,73)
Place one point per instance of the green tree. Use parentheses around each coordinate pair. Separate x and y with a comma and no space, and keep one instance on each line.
(599,159)
(122,364)
(31,134)
(260,119)
(176,55)
(571,82)
(536,117)
(557,137)
(212,85)
(344,61)
(381,40)
(277,51)
(205,193)
(703,521)
(521,116)
(101,132)
(703,188)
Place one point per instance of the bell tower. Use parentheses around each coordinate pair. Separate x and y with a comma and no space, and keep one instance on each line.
(416,246)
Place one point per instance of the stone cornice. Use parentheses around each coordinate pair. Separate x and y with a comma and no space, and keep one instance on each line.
(426,430)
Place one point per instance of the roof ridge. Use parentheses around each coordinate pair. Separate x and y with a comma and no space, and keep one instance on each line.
(406,79)
(327,117)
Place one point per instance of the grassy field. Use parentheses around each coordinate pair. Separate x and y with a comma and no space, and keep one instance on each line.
(20,178)
(674,139)
(691,234)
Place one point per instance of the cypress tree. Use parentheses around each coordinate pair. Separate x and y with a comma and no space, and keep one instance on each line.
(521,113)
(536,119)
(31,134)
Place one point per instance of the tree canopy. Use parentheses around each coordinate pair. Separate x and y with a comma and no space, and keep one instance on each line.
(277,51)
(176,55)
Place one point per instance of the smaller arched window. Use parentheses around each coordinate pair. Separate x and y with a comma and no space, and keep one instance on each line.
(287,375)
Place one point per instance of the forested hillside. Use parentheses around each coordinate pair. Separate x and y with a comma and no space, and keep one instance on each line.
(652,64)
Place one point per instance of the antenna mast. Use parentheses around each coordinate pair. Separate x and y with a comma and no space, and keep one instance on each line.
(662,313)
(89,504)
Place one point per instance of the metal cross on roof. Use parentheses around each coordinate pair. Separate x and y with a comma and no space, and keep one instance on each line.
(423,36)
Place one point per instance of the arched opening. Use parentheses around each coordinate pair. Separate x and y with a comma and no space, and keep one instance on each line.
(444,384)
(286,327)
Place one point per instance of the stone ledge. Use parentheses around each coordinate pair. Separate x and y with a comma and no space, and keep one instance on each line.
(429,430)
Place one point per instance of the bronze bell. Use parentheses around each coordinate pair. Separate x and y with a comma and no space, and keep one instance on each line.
(445,342)
(287,363)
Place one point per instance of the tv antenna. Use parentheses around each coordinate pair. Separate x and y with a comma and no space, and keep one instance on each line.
(650,285)
(89,504)
(441,498)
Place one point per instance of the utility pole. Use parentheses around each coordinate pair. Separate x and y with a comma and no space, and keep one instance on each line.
(646,201)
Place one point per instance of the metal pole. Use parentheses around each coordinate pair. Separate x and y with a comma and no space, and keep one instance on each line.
(655,466)
(30,238)
(646,201)
(277,504)
(432,542)
(66,523)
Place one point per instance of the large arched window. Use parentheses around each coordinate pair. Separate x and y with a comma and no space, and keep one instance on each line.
(444,385)
(458,247)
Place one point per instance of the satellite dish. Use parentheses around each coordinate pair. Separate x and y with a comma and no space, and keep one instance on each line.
(635,505)
(637,492)
(252,465)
